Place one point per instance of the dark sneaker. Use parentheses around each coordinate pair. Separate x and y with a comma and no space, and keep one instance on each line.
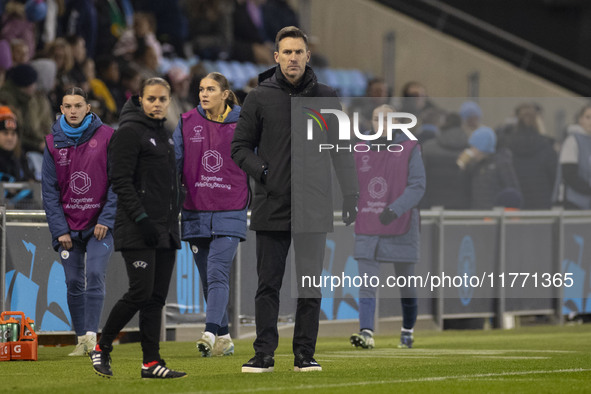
(159,371)
(406,340)
(303,363)
(362,339)
(261,362)
(101,363)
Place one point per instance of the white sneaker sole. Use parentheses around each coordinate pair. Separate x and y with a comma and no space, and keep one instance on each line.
(307,369)
(256,370)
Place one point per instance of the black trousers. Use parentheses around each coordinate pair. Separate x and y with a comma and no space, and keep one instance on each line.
(271,249)
(149,272)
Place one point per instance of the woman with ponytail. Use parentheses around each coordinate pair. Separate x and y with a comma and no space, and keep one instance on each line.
(213,217)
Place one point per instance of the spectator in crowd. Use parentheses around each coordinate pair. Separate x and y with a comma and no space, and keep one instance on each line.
(262,147)
(5,60)
(317,59)
(250,40)
(61,52)
(210,26)
(144,28)
(81,233)
(573,188)
(471,114)
(15,25)
(46,80)
(415,99)
(19,92)
(145,60)
(80,18)
(103,102)
(534,158)
(213,219)
(131,81)
(276,15)
(430,125)
(179,100)
(250,85)
(171,22)
(108,71)
(13,164)
(78,49)
(143,174)
(392,234)
(377,93)
(447,185)
(21,53)
(491,172)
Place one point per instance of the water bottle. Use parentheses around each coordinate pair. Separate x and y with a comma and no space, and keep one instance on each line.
(2,331)
(13,330)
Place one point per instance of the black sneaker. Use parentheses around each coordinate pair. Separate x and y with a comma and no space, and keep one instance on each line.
(303,363)
(159,371)
(261,362)
(101,363)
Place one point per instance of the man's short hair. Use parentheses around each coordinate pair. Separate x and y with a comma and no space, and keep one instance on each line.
(290,31)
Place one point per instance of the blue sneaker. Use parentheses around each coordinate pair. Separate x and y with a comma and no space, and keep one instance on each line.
(406,340)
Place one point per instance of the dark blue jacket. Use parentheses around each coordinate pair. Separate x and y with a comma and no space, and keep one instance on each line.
(56,219)
(195,224)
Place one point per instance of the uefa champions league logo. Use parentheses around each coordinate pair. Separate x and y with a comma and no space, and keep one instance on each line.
(197,134)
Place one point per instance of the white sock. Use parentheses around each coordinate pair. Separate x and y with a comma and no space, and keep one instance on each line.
(91,334)
(81,338)
(367,330)
(409,330)
(227,336)
(210,336)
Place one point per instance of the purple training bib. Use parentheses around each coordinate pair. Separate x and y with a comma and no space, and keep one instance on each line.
(382,179)
(213,181)
(82,178)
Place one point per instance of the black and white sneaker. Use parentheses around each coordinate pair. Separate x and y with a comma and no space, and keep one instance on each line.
(101,363)
(159,371)
(303,363)
(261,362)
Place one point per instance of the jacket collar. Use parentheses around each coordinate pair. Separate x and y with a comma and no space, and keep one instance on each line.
(275,77)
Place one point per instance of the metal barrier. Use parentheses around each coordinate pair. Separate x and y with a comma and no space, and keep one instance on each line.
(452,242)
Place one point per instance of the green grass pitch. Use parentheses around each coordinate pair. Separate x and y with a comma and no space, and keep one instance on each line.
(548,359)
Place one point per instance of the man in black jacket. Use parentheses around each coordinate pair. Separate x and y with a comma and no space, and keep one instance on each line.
(262,147)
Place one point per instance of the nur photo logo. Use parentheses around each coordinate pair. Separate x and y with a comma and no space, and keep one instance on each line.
(348,129)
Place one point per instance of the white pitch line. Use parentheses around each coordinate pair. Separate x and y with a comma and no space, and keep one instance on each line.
(418,355)
(394,381)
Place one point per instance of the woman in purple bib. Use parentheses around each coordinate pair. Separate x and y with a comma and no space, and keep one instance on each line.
(80,209)
(391,184)
(214,213)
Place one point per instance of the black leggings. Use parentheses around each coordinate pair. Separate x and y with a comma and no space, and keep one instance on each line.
(149,272)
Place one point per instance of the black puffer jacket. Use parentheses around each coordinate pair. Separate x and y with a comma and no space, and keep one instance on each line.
(447,185)
(535,163)
(144,177)
(264,138)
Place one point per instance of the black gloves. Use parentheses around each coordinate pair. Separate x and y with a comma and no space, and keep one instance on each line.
(148,231)
(350,208)
(387,216)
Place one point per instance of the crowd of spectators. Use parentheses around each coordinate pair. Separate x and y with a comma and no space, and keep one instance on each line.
(108,47)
